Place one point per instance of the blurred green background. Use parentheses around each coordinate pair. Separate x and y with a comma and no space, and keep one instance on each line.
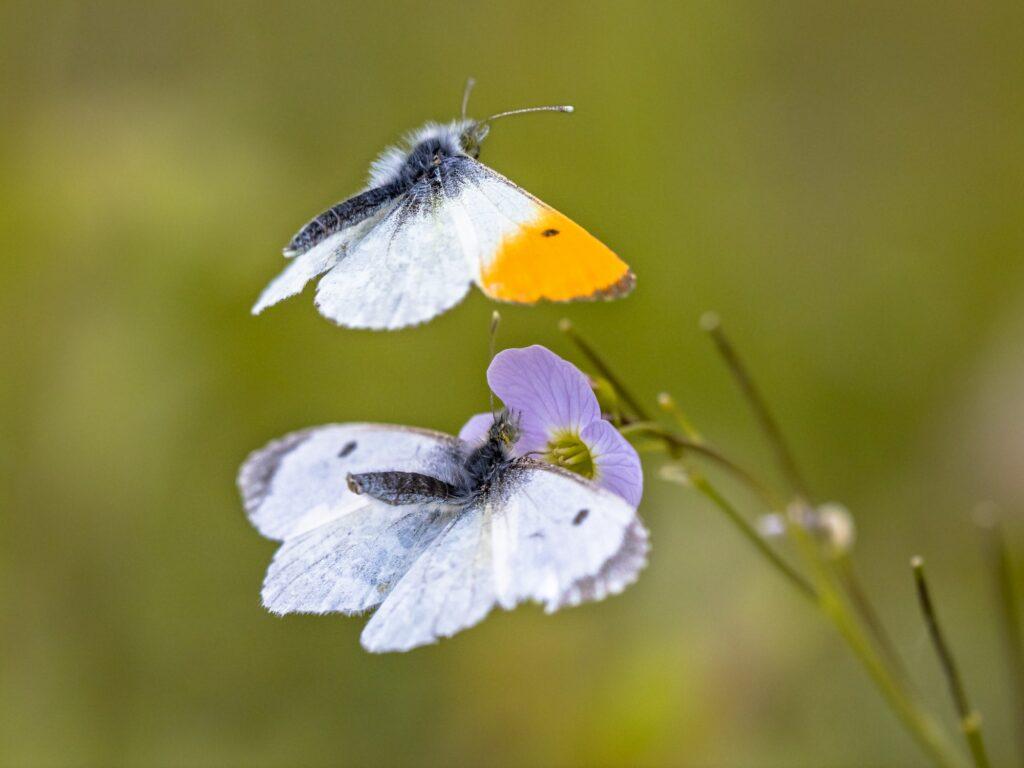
(844,183)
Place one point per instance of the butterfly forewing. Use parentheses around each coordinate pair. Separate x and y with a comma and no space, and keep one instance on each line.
(350,564)
(298,482)
(551,530)
(534,252)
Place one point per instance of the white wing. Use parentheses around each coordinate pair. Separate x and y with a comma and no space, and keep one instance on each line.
(298,482)
(350,564)
(529,539)
(312,263)
(449,588)
(415,263)
(615,575)
(560,539)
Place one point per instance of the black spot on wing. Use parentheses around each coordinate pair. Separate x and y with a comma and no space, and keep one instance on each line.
(549,233)
(347,449)
(580,516)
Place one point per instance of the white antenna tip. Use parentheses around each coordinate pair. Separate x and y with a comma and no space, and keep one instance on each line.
(568,108)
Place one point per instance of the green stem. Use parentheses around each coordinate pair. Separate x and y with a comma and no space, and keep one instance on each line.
(917,721)
(970,720)
(861,603)
(566,327)
(708,452)
(709,491)
(1009,615)
(711,323)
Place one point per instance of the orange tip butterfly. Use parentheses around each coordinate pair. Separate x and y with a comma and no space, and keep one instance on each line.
(432,221)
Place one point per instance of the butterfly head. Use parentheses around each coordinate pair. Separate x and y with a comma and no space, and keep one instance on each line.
(475,131)
(472,137)
(504,431)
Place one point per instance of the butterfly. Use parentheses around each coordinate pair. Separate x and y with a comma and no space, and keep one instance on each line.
(430,531)
(434,220)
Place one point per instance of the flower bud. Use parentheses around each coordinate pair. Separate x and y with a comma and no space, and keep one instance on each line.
(830,523)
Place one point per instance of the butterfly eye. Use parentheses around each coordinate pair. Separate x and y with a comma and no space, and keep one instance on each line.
(472,137)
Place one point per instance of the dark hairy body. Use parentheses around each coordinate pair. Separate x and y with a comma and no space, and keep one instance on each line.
(422,163)
(480,470)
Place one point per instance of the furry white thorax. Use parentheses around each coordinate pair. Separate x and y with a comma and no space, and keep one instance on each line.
(389,163)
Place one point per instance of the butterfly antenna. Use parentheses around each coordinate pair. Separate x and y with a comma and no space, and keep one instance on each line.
(524,110)
(470,82)
(493,334)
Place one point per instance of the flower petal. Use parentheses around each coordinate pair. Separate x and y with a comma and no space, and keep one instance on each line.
(549,393)
(616,463)
(475,430)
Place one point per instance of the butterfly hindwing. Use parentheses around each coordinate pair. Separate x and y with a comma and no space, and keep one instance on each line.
(322,256)
(540,534)
(411,266)
(449,588)
(351,563)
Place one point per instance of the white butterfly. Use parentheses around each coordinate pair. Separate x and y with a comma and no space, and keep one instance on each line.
(433,221)
(430,531)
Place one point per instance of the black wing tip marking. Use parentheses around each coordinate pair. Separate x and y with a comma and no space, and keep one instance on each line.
(617,290)
(622,287)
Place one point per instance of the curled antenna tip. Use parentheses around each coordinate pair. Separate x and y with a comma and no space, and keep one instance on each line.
(710,321)
(565,325)
(917,562)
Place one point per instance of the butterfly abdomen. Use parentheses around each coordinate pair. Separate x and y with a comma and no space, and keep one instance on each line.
(399,488)
(422,162)
(339,217)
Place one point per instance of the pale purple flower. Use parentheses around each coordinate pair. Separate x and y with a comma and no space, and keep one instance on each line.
(560,419)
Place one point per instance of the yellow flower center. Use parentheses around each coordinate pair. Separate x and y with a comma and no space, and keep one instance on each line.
(565,449)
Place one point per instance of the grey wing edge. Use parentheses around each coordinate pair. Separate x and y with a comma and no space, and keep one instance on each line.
(257,472)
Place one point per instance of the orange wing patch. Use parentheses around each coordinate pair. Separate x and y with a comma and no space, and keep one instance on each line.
(554,258)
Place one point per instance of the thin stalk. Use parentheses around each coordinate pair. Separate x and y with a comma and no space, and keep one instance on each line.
(668,404)
(705,450)
(566,327)
(1009,614)
(970,719)
(861,603)
(711,323)
(748,531)
(921,725)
